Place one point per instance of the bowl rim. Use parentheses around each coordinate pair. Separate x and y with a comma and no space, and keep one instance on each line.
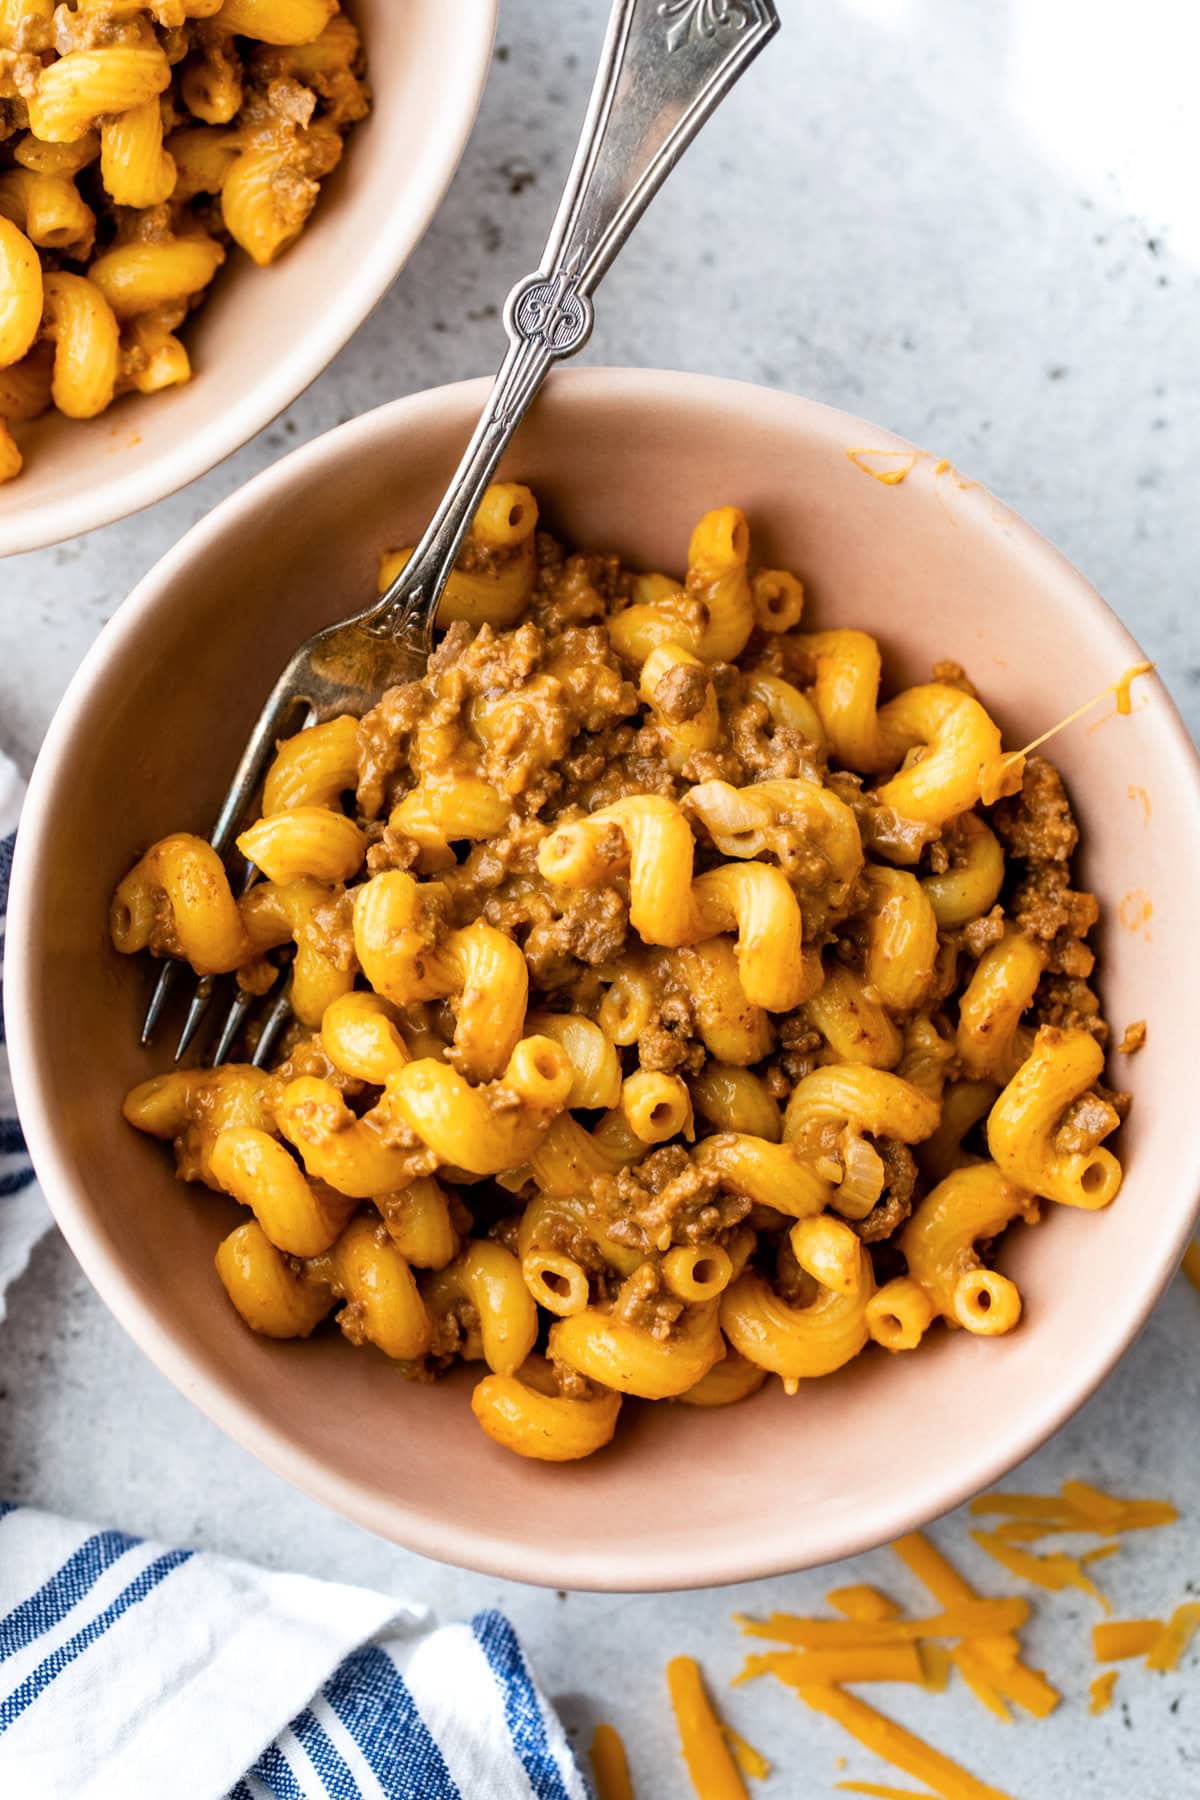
(347,306)
(749,1556)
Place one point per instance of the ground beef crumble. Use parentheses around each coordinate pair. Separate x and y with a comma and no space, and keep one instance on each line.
(896,1202)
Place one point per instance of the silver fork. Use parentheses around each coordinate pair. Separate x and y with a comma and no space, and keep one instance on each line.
(665,67)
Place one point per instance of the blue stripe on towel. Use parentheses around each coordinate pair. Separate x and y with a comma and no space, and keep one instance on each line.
(64,1590)
(372,1701)
(523,1715)
(14,1182)
(325,1757)
(273,1772)
(12,1143)
(48,1671)
(6,862)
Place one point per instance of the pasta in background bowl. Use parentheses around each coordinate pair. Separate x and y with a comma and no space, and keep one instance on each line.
(939,572)
(115,326)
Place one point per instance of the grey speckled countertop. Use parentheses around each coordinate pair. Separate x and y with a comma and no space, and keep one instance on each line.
(975,222)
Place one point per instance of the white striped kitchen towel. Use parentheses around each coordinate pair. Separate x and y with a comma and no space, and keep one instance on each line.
(129,1671)
(23,1214)
(133,1672)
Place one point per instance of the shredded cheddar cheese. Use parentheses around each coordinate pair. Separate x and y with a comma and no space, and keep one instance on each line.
(1100,1693)
(1177,1634)
(811,1668)
(991,1666)
(1079,1507)
(889,1741)
(610,1765)
(1104,1512)
(1028,1531)
(709,1762)
(974,1634)
(932,1569)
(750,1761)
(1112,1515)
(974,1672)
(1024,1687)
(935,1660)
(862,1602)
(1018,1506)
(1118,1639)
(1028,1688)
(948,1587)
(1053,1572)
(968,1618)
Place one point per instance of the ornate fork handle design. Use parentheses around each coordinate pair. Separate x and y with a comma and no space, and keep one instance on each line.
(665,68)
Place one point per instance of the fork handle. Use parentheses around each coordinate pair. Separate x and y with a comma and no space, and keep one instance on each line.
(665,68)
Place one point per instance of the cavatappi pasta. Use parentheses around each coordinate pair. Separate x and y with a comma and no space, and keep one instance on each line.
(137,142)
(670,1015)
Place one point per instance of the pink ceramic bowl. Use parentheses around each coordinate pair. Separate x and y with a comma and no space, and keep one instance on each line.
(264,334)
(145,741)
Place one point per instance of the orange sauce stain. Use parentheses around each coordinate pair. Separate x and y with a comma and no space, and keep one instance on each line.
(888,466)
(1124,682)
(945,467)
(1134,792)
(1135,912)
(1120,687)
(1108,717)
